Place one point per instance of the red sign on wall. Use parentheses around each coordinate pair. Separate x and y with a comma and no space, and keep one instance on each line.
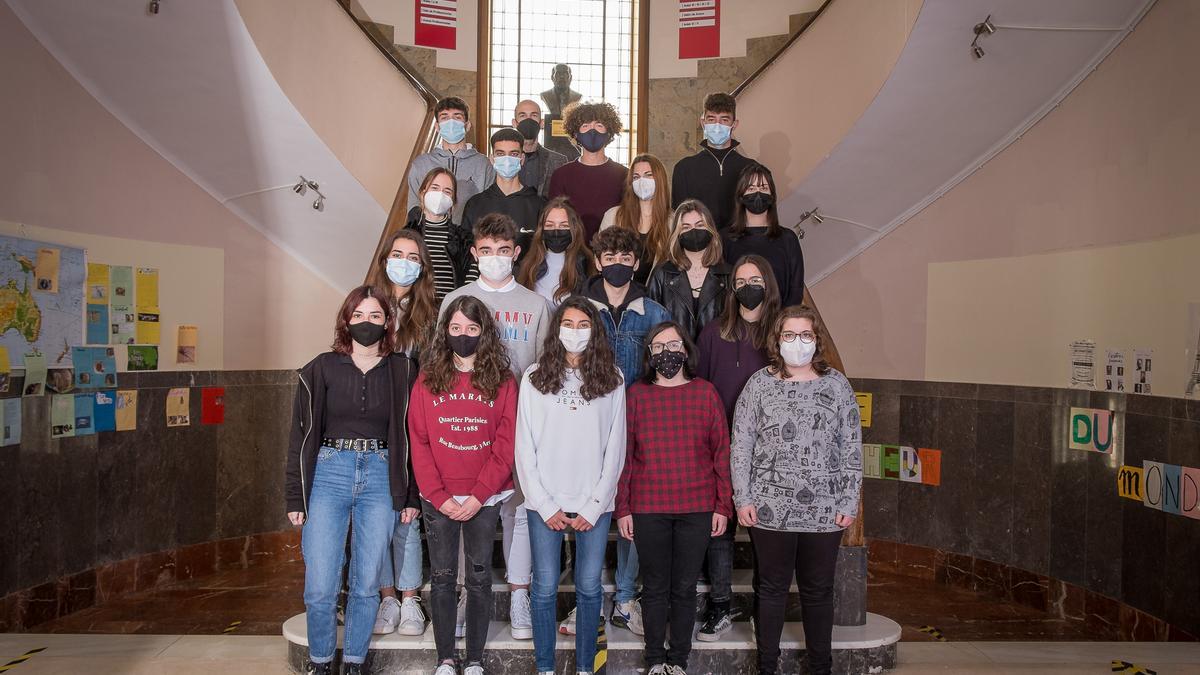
(699,29)
(436,23)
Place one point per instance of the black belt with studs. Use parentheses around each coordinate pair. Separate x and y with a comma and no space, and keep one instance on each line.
(355,444)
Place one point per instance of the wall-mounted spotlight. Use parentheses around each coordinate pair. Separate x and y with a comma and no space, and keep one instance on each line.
(985,27)
(304,186)
(154,6)
(319,204)
(808,215)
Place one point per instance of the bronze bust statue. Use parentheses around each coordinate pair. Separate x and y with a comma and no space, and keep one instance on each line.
(561,95)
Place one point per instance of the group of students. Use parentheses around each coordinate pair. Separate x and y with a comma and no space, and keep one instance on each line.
(554,345)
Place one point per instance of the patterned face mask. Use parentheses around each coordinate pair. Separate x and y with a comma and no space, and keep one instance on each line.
(667,363)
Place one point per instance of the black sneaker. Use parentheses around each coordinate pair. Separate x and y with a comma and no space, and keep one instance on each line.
(311,668)
(717,622)
(354,669)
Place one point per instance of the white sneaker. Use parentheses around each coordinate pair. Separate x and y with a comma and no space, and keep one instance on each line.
(520,615)
(628,615)
(388,616)
(473,669)
(658,669)
(567,627)
(460,621)
(445,669)
(412,617)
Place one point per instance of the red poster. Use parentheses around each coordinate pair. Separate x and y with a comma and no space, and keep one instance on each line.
(212,408)
(699,29)
(436,23)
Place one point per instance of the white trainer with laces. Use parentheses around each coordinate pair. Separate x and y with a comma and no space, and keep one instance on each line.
(387,617)
(473,669)
(445,669)
(412,617)
(567,627)
(520,615)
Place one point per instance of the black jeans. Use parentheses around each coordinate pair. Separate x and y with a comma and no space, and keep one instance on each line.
(720,564)
(671,547)
(812,558)
(442,536)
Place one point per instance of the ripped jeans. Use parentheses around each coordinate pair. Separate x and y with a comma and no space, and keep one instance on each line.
(442,537)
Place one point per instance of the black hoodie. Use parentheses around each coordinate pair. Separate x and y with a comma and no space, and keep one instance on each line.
(710,176)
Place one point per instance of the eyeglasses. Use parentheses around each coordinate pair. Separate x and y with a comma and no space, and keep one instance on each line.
(754,281)
(673,345)
(806,337)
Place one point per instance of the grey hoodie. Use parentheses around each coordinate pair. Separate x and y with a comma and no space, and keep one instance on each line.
(473,171)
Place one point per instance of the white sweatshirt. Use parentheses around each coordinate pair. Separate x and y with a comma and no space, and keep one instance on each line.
(569,451)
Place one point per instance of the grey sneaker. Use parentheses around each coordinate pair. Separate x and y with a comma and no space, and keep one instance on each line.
(412,617)
(628,615)
(387,617)
(520,615)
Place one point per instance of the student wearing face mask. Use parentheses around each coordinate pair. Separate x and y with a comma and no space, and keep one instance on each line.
(797,472)
(523,319)
(645,209)
(472,170)
(464,471)
(540,162)
(507,195)
(693,280)
(449,244)
(347,466)
(674,494)
(570,447)
(711,174)
(558,263)
(756,230)
(594,183)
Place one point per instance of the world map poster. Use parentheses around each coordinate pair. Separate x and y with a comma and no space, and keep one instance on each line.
(48,321)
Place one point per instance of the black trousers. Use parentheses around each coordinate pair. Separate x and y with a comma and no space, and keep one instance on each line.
(812,558)
(442,536)
(671,549)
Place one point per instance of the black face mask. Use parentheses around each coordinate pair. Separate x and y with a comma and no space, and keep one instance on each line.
(695,240)
(366,333)
(617,274)
(749,296)
(556,240)
(463,345)
(758,202)
(529,128)
(667,362)
(593,140)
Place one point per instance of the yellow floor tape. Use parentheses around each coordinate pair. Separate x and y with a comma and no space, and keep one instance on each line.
(935,633)
(21,659)
(1127,667)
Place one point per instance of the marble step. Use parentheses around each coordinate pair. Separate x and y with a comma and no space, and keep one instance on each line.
(857,649)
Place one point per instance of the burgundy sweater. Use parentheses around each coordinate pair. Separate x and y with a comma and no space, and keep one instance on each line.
(591,189)
(462,443)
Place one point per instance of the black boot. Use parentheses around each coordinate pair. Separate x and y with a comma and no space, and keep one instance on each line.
(354,669)
(311,668)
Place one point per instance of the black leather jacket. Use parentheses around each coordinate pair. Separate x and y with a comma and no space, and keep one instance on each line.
(669,287)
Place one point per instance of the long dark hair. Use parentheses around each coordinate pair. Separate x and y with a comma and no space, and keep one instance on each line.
(569,279)
(749,175)
(777,365)
(597,365)
(492,366)
(417,316)
(342,342)
(649,374)
(733,326)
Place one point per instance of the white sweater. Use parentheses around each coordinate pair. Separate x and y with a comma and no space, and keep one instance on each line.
(569,452)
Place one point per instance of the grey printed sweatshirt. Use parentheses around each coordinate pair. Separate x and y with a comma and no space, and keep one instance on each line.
(472,170)
(796,451)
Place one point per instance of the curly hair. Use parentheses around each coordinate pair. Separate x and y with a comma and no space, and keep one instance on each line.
(733,326)
(492,366)
(578,114)
(597,366)
(342,342)
(777,365)
(531,263)
(617,240)
(414,318)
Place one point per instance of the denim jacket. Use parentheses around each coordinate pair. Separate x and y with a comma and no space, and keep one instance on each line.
(628,340)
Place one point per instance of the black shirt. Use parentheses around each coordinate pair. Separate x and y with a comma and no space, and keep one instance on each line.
(357,404)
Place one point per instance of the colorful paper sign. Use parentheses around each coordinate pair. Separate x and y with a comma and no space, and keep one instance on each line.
(910,465)
(891,462)
(127,409)
(435,23)
(185,346)
(872,460)
(143,357)
(121,309)
(98,326)
(178,414)
(83,414)
(98,279)
(1129,482)
(104,411)
(35,375)
(147,330)
(212,405)
(62,416)
(95,367)
(45,270)
(931,466)
(864,408)
(1091,429)
(1189,492)
(11,412)
(699,29)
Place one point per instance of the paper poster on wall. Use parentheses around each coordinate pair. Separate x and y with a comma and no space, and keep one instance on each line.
(185,346)
(890,462)
(121,310)
(35,375)
(104,411)
(60,380)
(436,23)
(864,408)
(127,410)
(1129,482)
(11,412)
(1082,360)
(98,281)
(62,416)
(910,465)
(1114,370)
(5,370)
(872,467)
(178,401)
(45,271)
(931,466)
(95,367)
(699,29)
(1189,492)
(142,357)
(147,332)
(1091,429)
(1143,371)
(32,317)
(84,408)
(98,326)
(212,405)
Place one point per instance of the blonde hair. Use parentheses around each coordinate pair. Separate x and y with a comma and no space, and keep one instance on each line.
(675,253)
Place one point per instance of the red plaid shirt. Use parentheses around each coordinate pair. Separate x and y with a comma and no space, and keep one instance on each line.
(677,457)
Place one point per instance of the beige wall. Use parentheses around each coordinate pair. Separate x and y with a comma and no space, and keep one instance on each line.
(1114,163)
(401,13)
(70,166)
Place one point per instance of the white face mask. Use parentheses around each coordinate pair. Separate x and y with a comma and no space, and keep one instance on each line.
(438,203)
(495,268)
(643,187)
(574,340)
(796,353)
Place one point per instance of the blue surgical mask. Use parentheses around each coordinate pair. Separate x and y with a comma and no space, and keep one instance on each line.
(507,166)
(402,271)
(452,131)
(717,134)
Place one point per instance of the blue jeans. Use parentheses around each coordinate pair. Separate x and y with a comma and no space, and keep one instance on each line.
(349,488)
(627,570)
(401,567)
(546,546)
